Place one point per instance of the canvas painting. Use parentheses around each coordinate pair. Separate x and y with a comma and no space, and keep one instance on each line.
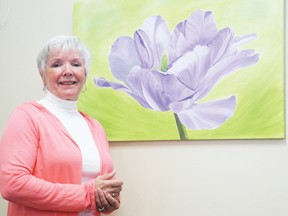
(184,70)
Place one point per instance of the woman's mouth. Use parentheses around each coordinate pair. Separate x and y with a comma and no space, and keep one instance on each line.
(67,82)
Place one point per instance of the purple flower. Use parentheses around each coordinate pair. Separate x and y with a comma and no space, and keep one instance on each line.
(171,71)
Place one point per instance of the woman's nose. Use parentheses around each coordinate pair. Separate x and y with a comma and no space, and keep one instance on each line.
(67,71)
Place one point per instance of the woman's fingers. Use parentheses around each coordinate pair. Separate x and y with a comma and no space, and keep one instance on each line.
(105,182)
(108,175)
(98,200)
(115,185)
(101,203)
(114,190)
(107,192)
(105,202)
(113,203)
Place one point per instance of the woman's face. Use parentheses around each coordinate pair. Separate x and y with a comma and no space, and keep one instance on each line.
(65,74)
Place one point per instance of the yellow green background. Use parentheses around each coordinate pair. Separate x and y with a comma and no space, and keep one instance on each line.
(259,89)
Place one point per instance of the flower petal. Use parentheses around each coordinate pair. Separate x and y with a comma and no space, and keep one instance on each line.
(123,57)
(220,45)
(201,27)
(149,86)
(192,67)
(209,115)
(144,50)
(239,41)
(198,29)
(223,68)
(152,40)
(158,32)
(102,82)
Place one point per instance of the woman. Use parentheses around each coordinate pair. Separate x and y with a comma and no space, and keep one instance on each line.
(55,160)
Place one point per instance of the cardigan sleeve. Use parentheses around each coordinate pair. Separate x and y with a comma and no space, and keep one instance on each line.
(18,155)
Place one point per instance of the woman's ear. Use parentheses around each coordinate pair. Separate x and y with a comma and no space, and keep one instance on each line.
(42,77)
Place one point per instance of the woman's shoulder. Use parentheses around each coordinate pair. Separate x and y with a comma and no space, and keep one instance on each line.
(26,114)
(29,109)
(30,106)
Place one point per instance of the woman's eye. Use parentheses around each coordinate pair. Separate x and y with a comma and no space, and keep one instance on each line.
(55,65)
(76,64)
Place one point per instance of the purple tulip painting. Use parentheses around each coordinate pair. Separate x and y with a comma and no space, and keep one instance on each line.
(184,70)
(172,71)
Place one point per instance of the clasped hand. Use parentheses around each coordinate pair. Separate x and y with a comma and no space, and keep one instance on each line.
(107,191)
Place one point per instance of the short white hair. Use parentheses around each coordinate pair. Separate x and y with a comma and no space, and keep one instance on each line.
(64,43)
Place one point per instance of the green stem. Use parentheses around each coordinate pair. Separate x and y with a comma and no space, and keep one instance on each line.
(181,128)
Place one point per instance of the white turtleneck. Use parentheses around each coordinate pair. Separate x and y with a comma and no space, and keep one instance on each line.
(66,111)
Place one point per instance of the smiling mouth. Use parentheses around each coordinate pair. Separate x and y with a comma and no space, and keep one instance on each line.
(68,83)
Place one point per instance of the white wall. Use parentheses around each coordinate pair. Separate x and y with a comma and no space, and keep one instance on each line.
(195,178)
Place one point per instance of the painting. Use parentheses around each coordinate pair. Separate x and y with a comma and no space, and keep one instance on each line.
(184,70)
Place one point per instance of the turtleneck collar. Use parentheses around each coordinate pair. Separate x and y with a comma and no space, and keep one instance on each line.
(59,104)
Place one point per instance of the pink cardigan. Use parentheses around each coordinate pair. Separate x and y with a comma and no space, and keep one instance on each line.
(41,165)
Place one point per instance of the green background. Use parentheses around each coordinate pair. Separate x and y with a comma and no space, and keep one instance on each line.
(259,89)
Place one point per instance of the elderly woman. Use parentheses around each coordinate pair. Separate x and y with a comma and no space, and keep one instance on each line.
(54,159)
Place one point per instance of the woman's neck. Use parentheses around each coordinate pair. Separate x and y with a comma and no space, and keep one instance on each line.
(58,103)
